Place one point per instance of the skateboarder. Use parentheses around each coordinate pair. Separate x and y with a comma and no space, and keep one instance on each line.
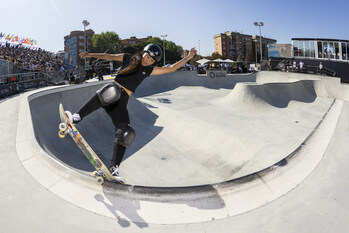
(114,97)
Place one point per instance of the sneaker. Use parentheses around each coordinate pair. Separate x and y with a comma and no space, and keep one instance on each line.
(75,118)
(114,170)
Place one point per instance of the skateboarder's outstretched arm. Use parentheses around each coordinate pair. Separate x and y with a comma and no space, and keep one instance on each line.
(174,67)
(103,56)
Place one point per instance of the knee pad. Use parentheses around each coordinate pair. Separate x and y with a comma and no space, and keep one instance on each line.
(109,94)
(125,135)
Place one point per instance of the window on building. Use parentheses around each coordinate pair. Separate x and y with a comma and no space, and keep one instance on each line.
(301,48)
(344,51)
(298,48)
(319,49)
(347,51)
(328,50)
(307,48)
(331,50)
(336,49)
(312,48)
(325,50)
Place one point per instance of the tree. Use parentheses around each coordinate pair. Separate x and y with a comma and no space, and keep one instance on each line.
(216,55)
(155,40)
(108,42)
(173,52)
(134,48)
(194,60)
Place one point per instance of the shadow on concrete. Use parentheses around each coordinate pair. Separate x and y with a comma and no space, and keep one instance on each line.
(280,94)
(125,201)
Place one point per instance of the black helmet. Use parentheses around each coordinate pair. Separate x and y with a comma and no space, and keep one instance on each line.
(154,51)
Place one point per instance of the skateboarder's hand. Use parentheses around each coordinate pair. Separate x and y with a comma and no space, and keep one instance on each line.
(192,53)
(84,55)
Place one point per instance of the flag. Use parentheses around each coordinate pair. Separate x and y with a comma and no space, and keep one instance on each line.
(14,39)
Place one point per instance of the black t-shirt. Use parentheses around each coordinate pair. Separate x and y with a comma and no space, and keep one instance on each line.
(133,80)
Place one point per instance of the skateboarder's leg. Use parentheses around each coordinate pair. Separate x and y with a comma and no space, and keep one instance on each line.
(107,96)
(117,156)
(90,106)
(121,120)
(125,136)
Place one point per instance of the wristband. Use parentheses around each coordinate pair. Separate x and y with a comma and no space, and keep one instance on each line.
(185,59)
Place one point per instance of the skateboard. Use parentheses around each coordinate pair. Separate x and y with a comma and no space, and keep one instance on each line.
(101,173)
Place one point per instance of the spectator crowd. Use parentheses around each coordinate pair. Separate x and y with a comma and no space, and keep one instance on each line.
(31,59)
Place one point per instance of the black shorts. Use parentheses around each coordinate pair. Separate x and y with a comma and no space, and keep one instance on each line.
(118,111)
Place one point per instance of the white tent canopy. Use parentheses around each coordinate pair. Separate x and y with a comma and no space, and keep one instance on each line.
(203,61)
(218,60)
(228,60)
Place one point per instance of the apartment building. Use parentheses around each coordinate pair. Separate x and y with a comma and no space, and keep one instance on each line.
(241,47)
(134,40)
(74,44)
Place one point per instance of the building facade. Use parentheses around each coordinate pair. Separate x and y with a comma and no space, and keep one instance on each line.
(74,44)
(332,54)
(323,49)
(241,47)
(134,40)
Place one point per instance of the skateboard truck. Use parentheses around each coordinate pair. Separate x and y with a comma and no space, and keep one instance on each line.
(63,130)
(99,176)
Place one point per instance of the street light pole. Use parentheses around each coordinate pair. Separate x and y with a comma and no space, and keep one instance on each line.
(255,48)
(199,51)
(260,24)
(85,23)
(163,42)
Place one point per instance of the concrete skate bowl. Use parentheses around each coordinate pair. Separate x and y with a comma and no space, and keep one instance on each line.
(191,130)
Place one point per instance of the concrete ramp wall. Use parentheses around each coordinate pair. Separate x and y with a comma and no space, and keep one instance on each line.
(324,86)
(163,83)
(261,97)
(191,130)
(97,128)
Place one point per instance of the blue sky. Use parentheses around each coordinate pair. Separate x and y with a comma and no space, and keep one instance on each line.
(184,21)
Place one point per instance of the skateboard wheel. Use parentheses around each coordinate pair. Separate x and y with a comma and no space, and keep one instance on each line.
(94,173)
(99,180)
(61,134)
(63,127)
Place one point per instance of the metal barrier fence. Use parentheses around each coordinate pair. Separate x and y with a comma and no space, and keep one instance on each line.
(6,67)
(323,71)
(16,83)
(310,69)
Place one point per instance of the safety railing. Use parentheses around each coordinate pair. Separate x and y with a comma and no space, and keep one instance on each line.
(6,67)
(16,83)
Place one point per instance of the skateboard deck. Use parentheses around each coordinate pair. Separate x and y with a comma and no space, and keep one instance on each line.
(66,127)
